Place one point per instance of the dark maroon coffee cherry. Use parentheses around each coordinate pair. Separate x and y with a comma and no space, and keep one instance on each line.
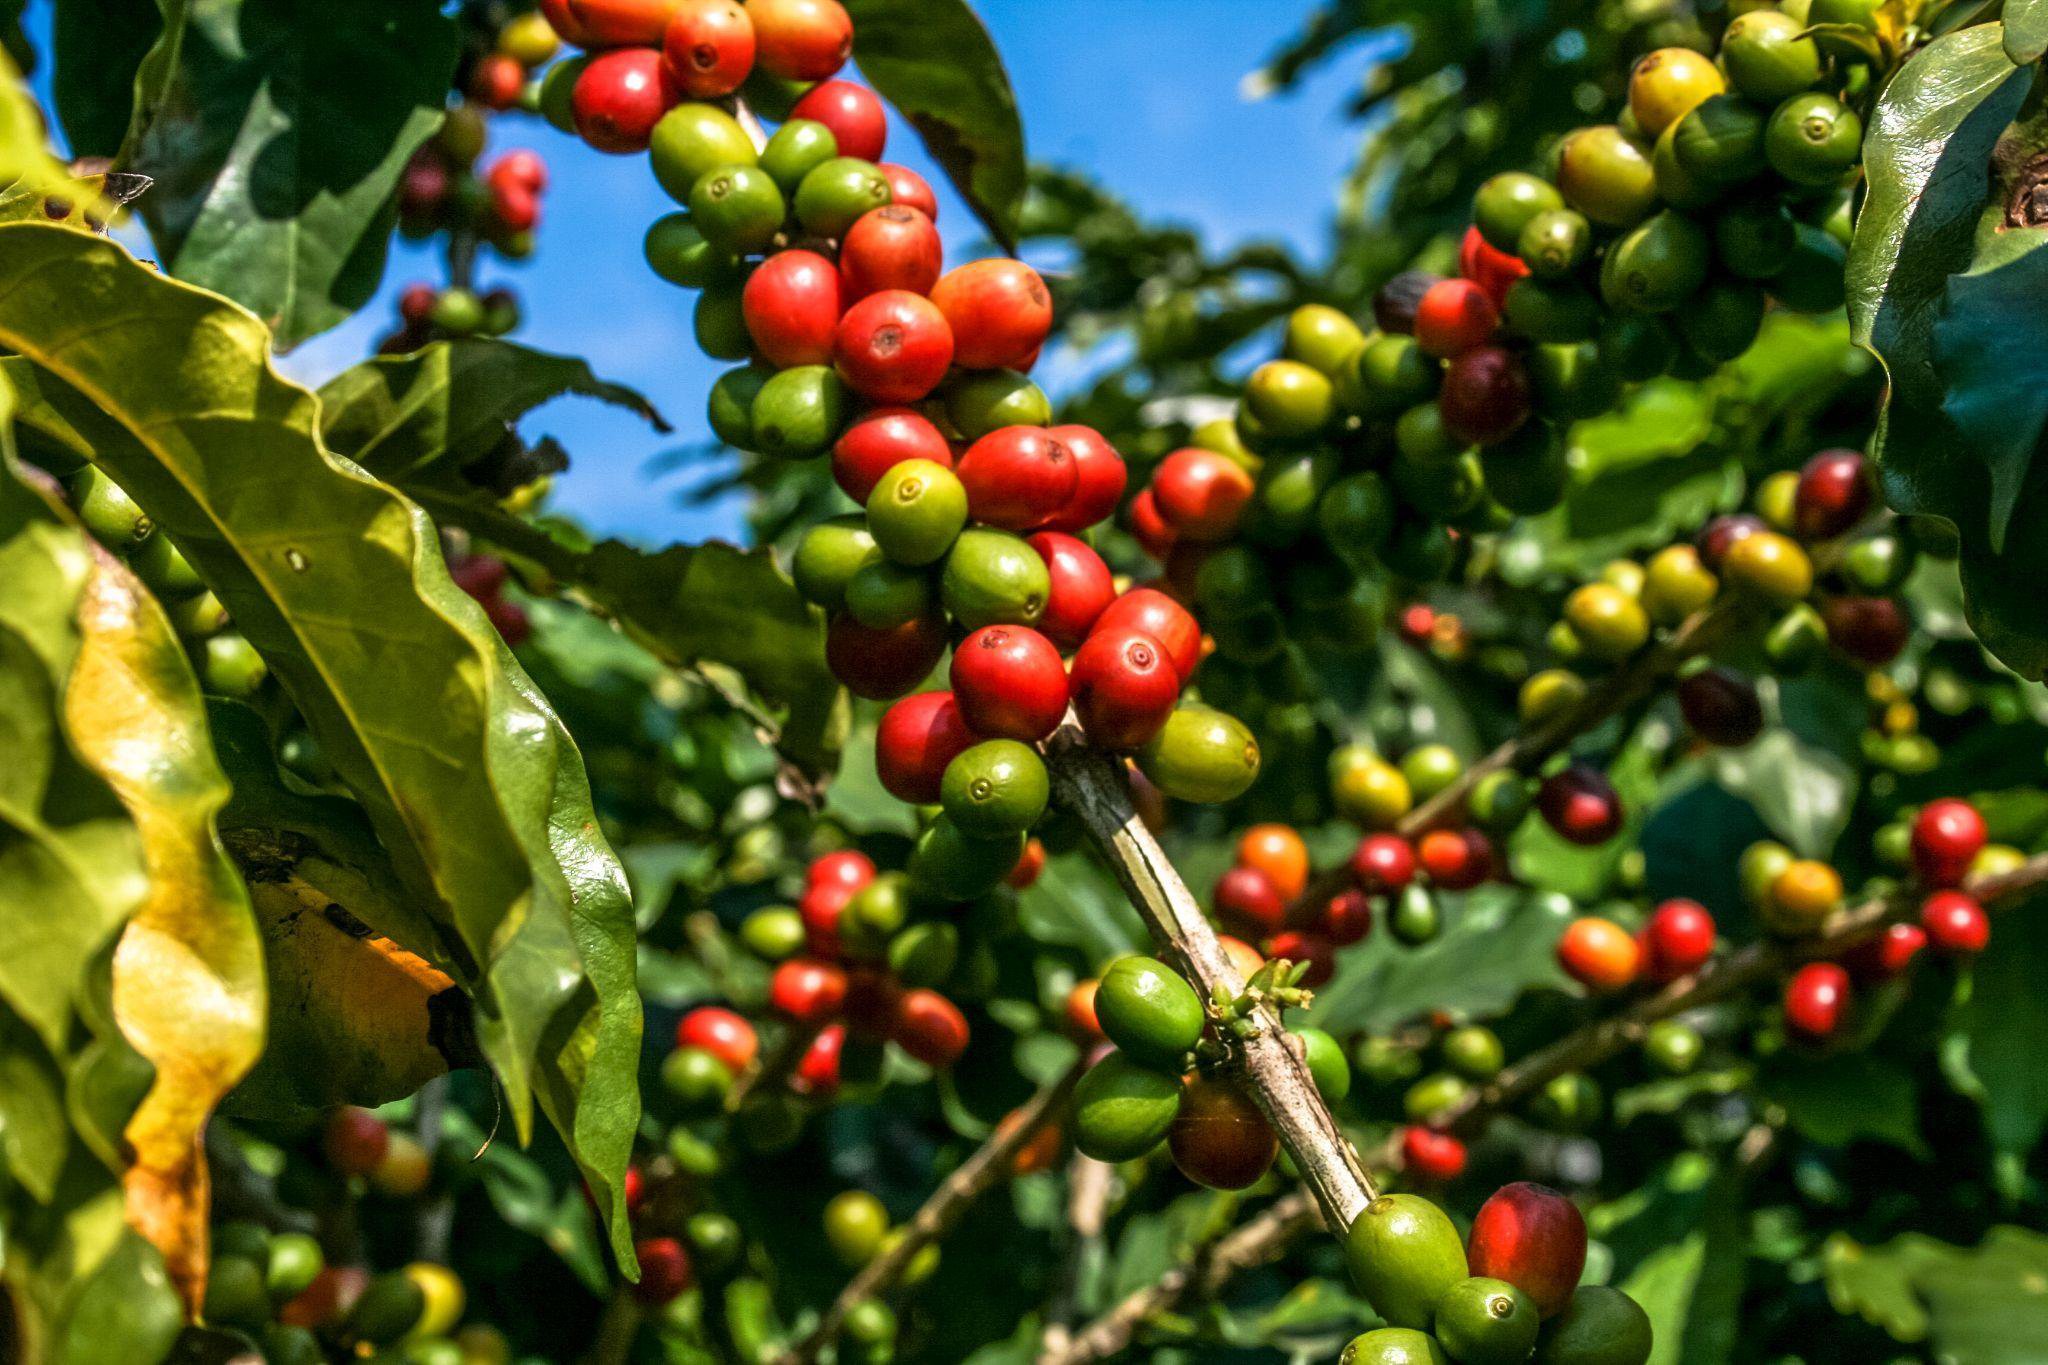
(1721,706)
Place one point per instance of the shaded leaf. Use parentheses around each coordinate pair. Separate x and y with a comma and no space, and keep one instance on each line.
(935,62)
(275,163)
(2026,30)
(1845,1098)
(97,48)
(1992,370)
(1075,903)
(2001,1023)
(1679,1246)
(1986,1305)
(1802,792)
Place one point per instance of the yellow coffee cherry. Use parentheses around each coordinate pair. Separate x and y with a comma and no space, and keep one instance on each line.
(1676,584)
(1670,83)
(1608,622)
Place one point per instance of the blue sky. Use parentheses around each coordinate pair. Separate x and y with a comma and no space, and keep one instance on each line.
(1141,94)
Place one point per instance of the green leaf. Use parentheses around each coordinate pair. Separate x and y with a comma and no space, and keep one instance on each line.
(1989,360)
(935,62)
(98,47)
(1986,1305)
(450,402)
(1847,1097)
(2026,30)
(339,581)
(1075,903)
(1680,1247)
(2000,1024)
(1802,792)
(275,157)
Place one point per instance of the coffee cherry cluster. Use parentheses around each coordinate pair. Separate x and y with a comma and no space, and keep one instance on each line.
(1160,1082)
(1261,896)
(1508,1293)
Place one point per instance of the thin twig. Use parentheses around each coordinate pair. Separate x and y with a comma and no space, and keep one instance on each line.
(1089,1186)
(989,1163)
(772,1067)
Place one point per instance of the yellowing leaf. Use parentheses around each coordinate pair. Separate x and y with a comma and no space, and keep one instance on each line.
(188,969)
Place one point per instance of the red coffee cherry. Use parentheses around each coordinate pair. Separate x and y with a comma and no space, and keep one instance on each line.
(1599,954)
(908,188)
(618,23)
(1030,864)
(1834,492)
(1677,940)
(1491,269)
(1871,630)
(1884,956)
(1148,527)
(515,209)
(930,1028)
(1431,1156)
(1453,317)
(355,1140)
(1082,588)
(882,665)
(709,46)
(722,1033)
(1486,395)
(852,112)
(1000,310)
(817,1071)
(892,347)
(1153,613)
(1202,495)
(881,440)
(847,867)
(1383,863)
(916,739)
(1124,687)
(892,247)
(413,306)
(1246,898)
(1016,477)
(619,98)
(1816,998)
(1220,1139)
(819,906)
(1720,534)
(1532,1237)
(496,80)
(1580,804)
(664,1270)
(1453,860)
(803,40)
(519,168)
(1010,683)
(1721,706)
(791,304)
(1306,945)
(1347,917)
(1099,480)
(1955,923)
(1948,834)
(807,991)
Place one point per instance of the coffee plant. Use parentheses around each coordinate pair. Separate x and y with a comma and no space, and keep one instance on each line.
(1476,801)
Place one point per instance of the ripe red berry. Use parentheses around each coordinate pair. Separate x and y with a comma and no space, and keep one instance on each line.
(930,1028)
(1010,683)
(916,739)
(1677,940)
(1431,1156)
(1453,859)
(1082,588)
(1955,923)
(1599,954)
(1246,899)
(1099,479)
(722,1033)
(514,209)
(803,40)
(1580,804)
(1815,999)
(1383,863)
(1491,269)
(1486,395)
(664,1270)
(881,440)
(853,114)
(521,168)
(882,665)
(1871,630)
(1884,956)
(807,991)
(1532,1237)
(1201,494)
(1030,864)
(1000,310)
(1453,317)
(709,46)
(1721,706)
(619,98)
(791,304)
(893,347)
(892,247)
(1153,613)
(1124,687)
(496,80)
(817,1071)
(1948,834)
(847,867)
(617,23)
(1016,477)
(1148,527)
(1347,917)
(1081,1020)
(355,1140)
(1833,493)
(415,304)
(1306,945)
(908,188)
